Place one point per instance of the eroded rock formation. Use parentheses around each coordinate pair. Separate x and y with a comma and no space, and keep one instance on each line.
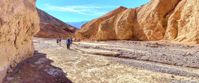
(174,20)
(51,27)
(183,22)
(18,23)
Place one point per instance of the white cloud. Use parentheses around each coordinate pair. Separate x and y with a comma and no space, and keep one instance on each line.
(81,9)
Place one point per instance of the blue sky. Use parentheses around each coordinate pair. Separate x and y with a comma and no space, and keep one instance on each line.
(83,10)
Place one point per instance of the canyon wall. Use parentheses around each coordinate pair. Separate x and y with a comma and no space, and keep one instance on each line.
(52,27)
(183,22)
(173,20)
(18,23)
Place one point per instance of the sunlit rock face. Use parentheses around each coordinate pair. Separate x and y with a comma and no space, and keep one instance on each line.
(102,28)
(52,27)
(174,20)
(152,18)
(18,23)
(183,22)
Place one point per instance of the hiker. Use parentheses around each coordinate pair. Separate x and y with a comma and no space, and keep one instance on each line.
(69,41)
(59,41)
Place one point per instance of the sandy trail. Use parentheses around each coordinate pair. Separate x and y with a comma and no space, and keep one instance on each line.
(87,67)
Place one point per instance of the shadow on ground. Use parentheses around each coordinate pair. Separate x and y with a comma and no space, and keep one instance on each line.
(37,69)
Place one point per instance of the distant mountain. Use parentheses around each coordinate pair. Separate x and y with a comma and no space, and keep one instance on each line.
(51,27)
(77,24)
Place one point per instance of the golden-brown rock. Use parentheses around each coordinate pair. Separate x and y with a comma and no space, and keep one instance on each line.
(101,28)
(183,22)
(152,18)
(124,26)
(174,20)
(52,27)
(18,23)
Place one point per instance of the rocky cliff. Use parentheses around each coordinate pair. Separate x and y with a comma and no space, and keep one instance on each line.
(18,23)
(52,27)
(183,22)
(174,20)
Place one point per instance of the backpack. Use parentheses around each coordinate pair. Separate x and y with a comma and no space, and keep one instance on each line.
(68,41)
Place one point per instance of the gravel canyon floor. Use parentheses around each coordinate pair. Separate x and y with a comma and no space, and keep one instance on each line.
(108,62)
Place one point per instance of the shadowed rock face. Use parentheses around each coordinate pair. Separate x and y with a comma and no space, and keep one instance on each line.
(36,69)
(52,27)
(173,20)
(18,23)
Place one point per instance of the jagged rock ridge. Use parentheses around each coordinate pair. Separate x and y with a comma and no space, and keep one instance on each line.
(173,20)
(52,27)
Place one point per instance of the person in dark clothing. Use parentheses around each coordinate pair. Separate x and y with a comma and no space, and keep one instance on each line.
(69,41)
(59,41)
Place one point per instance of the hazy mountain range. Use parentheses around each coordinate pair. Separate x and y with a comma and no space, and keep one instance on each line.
(77,24)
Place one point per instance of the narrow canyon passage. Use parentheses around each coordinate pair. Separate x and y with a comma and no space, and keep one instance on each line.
(84,64)
(111,59)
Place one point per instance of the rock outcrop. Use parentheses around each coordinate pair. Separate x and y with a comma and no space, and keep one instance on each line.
(174,20)
(18,23)
(183,22)
(52,27)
